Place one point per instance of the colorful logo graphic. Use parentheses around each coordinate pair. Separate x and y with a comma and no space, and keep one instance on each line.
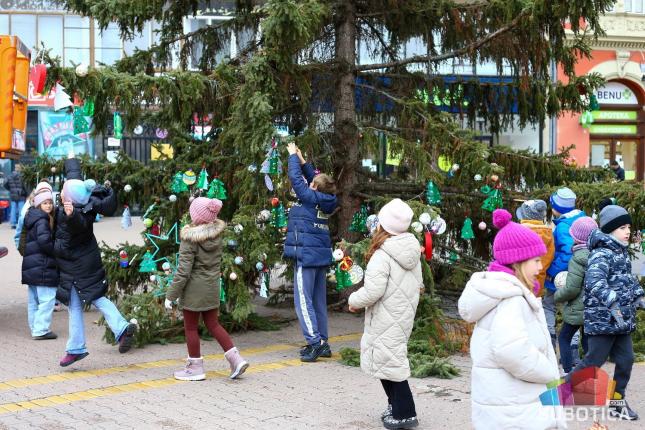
(588,387)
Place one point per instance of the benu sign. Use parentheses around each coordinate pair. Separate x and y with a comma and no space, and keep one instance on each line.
(615,93)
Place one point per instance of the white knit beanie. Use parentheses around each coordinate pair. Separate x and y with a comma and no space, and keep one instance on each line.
(395,217)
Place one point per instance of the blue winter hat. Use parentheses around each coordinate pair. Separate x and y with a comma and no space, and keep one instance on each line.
(563,200)
(78,191)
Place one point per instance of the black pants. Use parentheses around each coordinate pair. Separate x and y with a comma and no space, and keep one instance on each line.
(619,347)
(400,397)
(567,354)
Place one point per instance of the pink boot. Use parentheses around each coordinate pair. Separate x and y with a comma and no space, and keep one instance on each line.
(238,364)
(194,370)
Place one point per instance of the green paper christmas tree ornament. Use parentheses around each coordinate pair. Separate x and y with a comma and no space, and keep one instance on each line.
(118,125)
(80,123)
(359,220)
(467,232)
(278,216)
(202,181)
(88,107)
(433,197)
(147,264)
(178,185)
(343,279)
(493,201)
(222,291)
(217,190)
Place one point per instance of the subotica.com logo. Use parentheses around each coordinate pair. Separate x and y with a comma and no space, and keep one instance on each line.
(589,387)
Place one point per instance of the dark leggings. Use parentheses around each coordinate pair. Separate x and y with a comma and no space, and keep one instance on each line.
(567,331)
(400,397)
(191,325)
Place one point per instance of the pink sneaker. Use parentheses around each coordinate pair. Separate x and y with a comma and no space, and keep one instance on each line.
(238,364)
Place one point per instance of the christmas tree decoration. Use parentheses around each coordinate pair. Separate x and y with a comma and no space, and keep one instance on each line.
(62,100)
(80,123)
(467,232)
(338,254)
(161,133)
(425,218)
(586,119)
(38,75)
(123,259)
(371,223)
(433,197)
(438,226)
(178,185)
(172,198)
(455,167)
(232,276)
(453,258)
(88,107)
(166,267)
(493,201)
(356,274)
(275,201)
(482,226)
(427,245)
(417,227)
(444,163)
(593,102)
(239,228)
(82,70)
(126,219)
(189,177)
(343,278)
(494,177)
(138,130)
(268,182)
(147,264)
(259,266)
(118,125)
(147,222)
(264,216)
(477,177)
(239,260)
(155,230)
(359,220)
(127,188)
(222,291)
(272,164)
(231,244)
(217,190)
(278,217)
(202,181)
(264,284)
(153,278)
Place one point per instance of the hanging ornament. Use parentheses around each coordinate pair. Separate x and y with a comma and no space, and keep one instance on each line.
(433,197)
(356,274)
(127,188)
(477,177)
(217,190)
(586,119)
(268,182)
(172,198)
(189,177)
(338,254)
(275,201)
(444,163)
(232,244)
(264,280)
(155,230)
(264,216)
(427,245)
(161,133)
(359,220)
(371,223)
(425,218)
(438,226)
(88,107)
(482,226)
(259,266)
(222,292)
(53,170)
(453,258)
(343,278)
(278,217)
(455,167)
(272,164)
(417,227)
(232,276)
(147,222)
(153,278)
(467,232)
(238,228)
(61,98)
(494,177)
(202,181)
(593,102)
(138,130)
(126,219)
(118,125)
(165,266)
(147,264)
(493,201)
(123,259)
(178,185)
(80,123)
(238,260)
(38,75)
(82,70)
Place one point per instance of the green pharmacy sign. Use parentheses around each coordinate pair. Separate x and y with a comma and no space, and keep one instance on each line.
(621,129)
(615,115)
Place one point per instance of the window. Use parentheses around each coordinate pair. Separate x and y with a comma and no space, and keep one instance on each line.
(24,26)
(194,24)
(140,41)
(4,24)
(635,6)
(50,33)
(77,40)
(107,44)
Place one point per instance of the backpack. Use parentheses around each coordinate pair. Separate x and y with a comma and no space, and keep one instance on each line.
(22,242)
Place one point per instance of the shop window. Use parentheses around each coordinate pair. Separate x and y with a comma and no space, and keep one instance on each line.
(140,41)
(24,26)
(50,33)
(107,44)
(77,40)
(623,151)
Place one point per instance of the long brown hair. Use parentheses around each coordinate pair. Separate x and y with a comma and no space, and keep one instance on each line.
(377,241)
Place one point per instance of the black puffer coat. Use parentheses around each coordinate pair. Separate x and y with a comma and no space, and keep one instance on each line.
(39,264)
(76,249)
(16,188)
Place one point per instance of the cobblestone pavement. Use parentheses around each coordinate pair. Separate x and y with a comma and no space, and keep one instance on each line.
(136,390)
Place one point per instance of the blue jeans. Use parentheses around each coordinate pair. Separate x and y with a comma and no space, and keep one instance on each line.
(16,208)
(310,299)
(40,309)
(114,319)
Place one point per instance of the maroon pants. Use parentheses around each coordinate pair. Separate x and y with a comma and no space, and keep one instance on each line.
(191,325)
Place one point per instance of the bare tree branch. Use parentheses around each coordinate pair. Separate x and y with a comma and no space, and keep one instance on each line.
(378,35)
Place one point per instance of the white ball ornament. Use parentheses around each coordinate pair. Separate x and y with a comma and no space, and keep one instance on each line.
(482,226)
(165,266)
(127,188)
(425,218)
(138,130)
(455,167)
(417,226)
(478,177)
(232,276)
(238,228)
(82,70)
(153,278)
(338,254)
(265,215)
(259,266)
(239,260)
(172,198)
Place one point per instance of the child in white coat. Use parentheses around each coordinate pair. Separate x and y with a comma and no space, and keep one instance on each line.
(390,295)
(512,355)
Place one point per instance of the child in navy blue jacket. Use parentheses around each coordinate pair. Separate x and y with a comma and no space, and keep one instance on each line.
(309,244)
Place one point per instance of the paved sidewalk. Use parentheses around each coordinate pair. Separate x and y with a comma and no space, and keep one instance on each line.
(136,390)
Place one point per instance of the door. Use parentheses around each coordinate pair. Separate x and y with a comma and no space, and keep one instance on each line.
(624,151)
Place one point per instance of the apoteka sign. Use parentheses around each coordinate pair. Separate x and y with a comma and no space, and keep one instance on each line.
(615,93)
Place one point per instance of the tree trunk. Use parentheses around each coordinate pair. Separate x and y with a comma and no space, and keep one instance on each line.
(346,132)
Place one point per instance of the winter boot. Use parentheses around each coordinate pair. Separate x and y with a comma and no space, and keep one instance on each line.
(621,410)
(390,422)
(194,370)
(238,364)
(386,413)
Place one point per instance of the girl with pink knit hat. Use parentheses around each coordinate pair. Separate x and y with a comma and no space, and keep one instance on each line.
(512,355)
(195,286)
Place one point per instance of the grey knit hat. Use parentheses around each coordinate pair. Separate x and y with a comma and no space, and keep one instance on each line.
(532,209)
(612,217)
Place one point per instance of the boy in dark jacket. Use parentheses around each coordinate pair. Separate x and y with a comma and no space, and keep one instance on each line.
(39,269)
(82,276)
(309,244)
(17,193)
(611,297)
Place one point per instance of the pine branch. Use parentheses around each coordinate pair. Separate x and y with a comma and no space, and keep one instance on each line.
(379,36)
(456,53)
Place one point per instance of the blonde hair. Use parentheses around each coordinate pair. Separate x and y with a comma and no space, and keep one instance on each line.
(325,183)
(377,241)
(519,274)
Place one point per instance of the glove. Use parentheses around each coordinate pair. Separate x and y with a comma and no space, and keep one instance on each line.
(640,303)
(614,309)
(168,304)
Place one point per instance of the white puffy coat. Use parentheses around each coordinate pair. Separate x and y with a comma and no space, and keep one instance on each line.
(512,355)
(391,294)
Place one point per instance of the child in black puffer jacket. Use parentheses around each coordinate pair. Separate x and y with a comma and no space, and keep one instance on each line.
(39,269)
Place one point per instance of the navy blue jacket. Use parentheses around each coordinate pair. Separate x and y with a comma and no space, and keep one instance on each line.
(39,264)
(609,280)
(308,241)
(563,246)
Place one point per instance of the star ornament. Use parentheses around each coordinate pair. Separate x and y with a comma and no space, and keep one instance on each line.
(173,233)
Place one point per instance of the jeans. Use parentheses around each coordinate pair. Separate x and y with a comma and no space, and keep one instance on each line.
(548,304)
(567,355)
(620,348)
(400,398)
(114,319)
(16,208)
(40,309)
(310,299)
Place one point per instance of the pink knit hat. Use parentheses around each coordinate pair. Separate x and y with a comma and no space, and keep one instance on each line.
(203,210)
(42,193)
(582,228)
(514,242)
(395,217)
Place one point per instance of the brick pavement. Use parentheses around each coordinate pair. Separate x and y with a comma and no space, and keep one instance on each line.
(108,390)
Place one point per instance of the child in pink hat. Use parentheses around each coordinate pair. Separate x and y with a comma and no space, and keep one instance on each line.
(195,286)
(511,346)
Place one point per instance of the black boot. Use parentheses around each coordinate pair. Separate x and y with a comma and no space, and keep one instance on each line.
(621,410)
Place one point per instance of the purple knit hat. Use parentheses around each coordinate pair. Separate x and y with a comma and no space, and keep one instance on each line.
(204,211)
(514,242)
(582,228)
